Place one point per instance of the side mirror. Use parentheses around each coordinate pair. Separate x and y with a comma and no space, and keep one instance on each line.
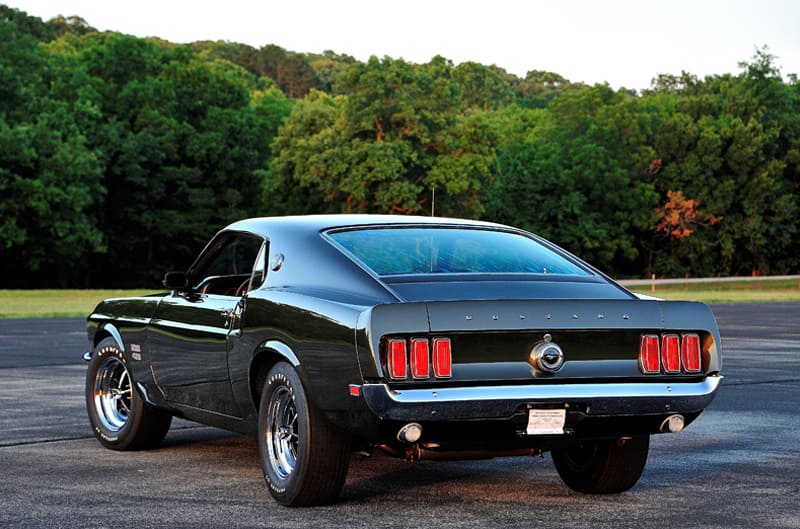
(175,280)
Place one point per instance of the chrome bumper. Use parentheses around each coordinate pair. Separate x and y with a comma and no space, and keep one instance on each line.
(498,402)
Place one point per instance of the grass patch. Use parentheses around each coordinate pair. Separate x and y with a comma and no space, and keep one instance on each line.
(79,303)
(56,303)
(728,292)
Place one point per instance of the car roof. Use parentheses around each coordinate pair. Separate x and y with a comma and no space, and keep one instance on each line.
(317,223)
(319,268)
(312,265)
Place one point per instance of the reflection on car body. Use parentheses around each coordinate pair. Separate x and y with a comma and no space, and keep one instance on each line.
(421,337)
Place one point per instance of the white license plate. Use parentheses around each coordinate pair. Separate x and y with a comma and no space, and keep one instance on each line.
(546,422)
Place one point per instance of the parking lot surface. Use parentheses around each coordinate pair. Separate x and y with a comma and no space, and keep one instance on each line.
(738,465)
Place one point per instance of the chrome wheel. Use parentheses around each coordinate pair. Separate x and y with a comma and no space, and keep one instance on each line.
(120,418)
(304,458)
(113,394)
(281,435)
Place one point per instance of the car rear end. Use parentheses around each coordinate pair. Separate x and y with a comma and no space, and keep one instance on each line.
(525,373)
(500,340)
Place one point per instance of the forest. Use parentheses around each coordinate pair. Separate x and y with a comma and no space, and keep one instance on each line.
(121,156)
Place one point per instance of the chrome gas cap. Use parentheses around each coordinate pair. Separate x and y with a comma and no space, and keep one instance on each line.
(546,356)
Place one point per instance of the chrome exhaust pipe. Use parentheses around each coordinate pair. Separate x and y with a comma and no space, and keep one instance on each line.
(673,424)
(410,433)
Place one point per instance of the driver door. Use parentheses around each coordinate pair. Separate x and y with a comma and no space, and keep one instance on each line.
(188,336)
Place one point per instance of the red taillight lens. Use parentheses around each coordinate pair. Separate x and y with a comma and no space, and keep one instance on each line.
(671,353)
(396,359)
(649,361)
(442,358)
(690,353)
(420,359)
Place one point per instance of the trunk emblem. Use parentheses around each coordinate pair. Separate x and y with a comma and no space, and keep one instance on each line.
(546,357)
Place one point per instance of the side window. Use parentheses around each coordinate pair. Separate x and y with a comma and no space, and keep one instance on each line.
(227,268)
(260,268)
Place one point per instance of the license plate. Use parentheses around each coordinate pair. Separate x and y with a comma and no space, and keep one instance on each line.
(546,422)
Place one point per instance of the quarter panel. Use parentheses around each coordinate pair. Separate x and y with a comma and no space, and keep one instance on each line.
(320,333)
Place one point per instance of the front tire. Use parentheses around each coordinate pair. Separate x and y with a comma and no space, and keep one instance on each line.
(606,466)
(304,458)
(120,418)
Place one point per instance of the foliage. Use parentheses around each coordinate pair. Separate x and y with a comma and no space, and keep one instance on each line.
(120,156)
(393,134)
(572,178)
(727,144)
(680,216)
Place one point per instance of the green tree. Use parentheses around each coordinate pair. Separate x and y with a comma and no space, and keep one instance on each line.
(74,25)
(577,174)
(539,87)
(182,143)
(728,145)
(395,132)
(483,87)
(20,22)
(291,71)
(239,54)
(50,179)
(328,66)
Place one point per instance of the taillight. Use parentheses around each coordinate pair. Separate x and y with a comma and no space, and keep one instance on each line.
(649,358)
(396,359)
(671,353)
(442,358)
(423,356)
(690,353)
(420,359)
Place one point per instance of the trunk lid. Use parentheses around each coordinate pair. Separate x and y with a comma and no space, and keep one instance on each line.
(492,340)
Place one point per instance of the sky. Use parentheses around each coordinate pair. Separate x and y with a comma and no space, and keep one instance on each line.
(621,42)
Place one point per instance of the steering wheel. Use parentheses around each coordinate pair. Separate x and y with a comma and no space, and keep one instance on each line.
(242,290)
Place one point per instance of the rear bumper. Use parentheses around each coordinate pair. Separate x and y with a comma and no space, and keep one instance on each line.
(501,402)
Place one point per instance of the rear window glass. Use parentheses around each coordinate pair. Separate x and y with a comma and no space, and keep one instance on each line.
(400,251)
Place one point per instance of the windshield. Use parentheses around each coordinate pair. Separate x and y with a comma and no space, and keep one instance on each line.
(415,250)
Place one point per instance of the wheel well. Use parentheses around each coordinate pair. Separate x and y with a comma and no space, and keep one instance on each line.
(105,331)
(259,368)
(99,336)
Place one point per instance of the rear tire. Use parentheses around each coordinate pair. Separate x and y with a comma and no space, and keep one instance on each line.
(606,466)
(120,418)
(304,458)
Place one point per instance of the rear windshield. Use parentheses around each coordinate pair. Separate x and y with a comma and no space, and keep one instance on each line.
(401,251)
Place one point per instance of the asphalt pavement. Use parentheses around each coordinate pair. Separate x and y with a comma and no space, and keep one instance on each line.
(737,466)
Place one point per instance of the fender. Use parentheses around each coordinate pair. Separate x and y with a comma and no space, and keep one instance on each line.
(246,393)
(274,351)
(109,328)
(282,349)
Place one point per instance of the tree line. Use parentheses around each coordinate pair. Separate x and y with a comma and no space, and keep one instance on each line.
(120,156)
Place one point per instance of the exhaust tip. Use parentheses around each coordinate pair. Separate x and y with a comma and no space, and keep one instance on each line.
(673,424)
(410,433)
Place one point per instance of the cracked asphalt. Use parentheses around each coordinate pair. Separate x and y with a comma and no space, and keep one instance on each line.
(737,466)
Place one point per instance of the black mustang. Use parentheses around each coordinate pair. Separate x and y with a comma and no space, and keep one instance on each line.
(424,337)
